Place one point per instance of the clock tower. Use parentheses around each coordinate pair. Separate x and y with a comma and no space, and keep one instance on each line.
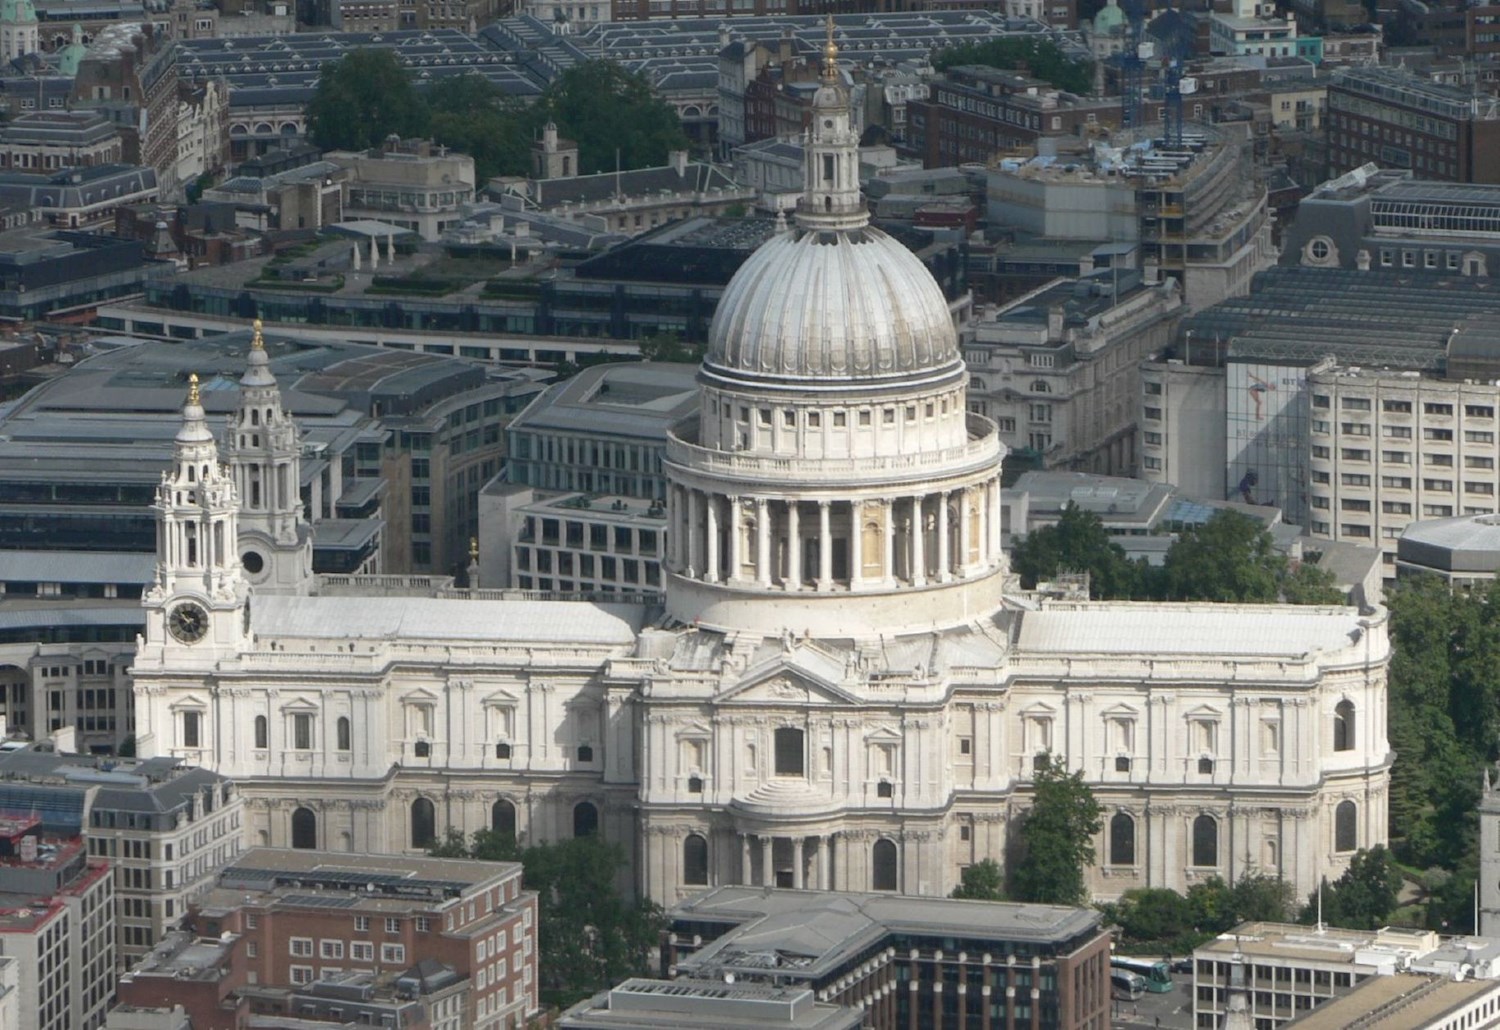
(265,458)
(198,603)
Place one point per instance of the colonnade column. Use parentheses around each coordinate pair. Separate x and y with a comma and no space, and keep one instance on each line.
(694,558)
(747,871)
(942,538)
(793,546)
(856,543)
(767,874)
(736,531)
(711,535)
(918,548)
(964,539)
(825,548)
(888,552)
(762,543)
(825,863)
(798,857)
(992,492)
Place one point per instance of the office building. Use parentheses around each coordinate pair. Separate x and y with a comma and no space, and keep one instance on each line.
(57,921)
(1464,550)
(1396,119)
(1059,369)
(906,961)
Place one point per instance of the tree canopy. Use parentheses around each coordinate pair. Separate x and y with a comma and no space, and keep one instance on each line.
(1055,838)
(1158,919)
(367,96)
(1361,899)
(589,937)
(1037,56)
(613,116)
(982,881)
(1228,558)
(361,99)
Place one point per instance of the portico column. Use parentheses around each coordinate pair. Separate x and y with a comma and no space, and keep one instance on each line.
(694,560)
(825,867)
(711,567)
(825,548)
(797,859)
(746,870)
(793,547)
(736,530)
(767,874)
(944,558)
(762,543)
(918,549)
(963,532)
(856,543)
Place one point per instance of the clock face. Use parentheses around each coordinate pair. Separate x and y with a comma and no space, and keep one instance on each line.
(188,622)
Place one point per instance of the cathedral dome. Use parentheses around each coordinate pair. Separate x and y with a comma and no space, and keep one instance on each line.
(818,304)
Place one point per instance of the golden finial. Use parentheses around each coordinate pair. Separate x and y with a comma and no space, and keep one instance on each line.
(256,342)
(473,548)
(193,389)
(830,55)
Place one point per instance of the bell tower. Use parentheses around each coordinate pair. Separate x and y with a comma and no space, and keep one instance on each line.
(199,598)
(265,457)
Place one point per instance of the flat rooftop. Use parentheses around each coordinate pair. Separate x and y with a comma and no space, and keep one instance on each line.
(1396,1002)
(622,399)
(812,933)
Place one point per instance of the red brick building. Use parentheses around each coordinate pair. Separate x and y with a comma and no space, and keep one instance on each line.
(976,112)
(1398,120)
(294,931)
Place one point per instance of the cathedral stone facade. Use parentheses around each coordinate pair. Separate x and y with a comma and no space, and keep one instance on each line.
(838,692)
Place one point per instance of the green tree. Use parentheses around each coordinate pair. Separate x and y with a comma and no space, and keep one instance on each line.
(1055,838)
(470,114)
(1229,558)
(1309,584)
(1153,914)
(1262,898)
(1361,899)
(361,99)
(1037,56)
(669,347)
(613,115)
(588,935)
(982,881)
(1078,542)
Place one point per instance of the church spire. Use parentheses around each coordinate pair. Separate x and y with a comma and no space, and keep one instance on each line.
(830,196)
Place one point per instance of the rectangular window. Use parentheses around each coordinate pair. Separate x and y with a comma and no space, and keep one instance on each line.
(392,924)
(1355,403)
(361,951)
(392,954)
(1479,411)
(1399,407)
(1396,482)
(1397,432)
(300,947)
(192,729)
(302,731)
(330,949)
(1437,409)
(301,974)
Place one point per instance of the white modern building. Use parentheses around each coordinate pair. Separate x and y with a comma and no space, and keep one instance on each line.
(837,690)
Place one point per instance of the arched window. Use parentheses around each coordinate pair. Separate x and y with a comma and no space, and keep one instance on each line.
(1343,726)
(790,757)
(503,819)
(1040,386)
(883,865)
(585,753)
(262,732)
(695,861)
(1346,826)
(585,819)
(1205,841)
(345,736)
(423,823)
(304,829)
(1122,839)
